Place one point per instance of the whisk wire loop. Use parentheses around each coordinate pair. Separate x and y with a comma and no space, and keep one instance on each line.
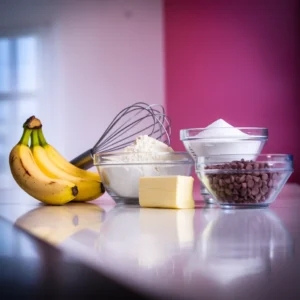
(139,118)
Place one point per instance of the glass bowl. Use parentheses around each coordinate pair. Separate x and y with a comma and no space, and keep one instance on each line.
(254,180)
(221,141)
(121,171)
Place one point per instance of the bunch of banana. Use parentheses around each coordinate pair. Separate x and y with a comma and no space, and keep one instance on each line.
(47,176)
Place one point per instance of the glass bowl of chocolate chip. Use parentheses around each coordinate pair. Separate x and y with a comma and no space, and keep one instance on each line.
(252,181)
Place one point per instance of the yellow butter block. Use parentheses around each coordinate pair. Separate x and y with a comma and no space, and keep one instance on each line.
(166,192)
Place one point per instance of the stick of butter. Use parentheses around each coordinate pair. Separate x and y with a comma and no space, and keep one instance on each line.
(166,191)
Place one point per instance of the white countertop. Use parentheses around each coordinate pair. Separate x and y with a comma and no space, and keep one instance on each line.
(207,251)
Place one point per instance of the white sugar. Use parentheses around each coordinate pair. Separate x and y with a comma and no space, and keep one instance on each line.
(220,138)
(221,129)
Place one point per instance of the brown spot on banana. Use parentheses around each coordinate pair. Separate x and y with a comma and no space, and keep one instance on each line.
(74,190)
(102,188)
(26,171)
(12,158)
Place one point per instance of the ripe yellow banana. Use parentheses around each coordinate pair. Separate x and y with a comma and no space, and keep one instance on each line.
(62,163)
(33,181)
(87,189)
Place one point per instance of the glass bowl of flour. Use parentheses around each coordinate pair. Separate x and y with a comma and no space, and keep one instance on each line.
(220,138)
(120,171)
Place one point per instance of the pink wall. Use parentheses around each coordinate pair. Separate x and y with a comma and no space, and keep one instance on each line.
(235,60)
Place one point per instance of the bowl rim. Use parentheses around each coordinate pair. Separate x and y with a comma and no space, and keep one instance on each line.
(288,159)
(184,133)
(225,127)
(247,154)
(188,160)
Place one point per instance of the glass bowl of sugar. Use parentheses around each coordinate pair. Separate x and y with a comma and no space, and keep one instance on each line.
(120,171)
(220,138)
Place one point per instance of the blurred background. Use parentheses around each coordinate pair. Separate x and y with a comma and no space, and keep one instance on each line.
(237,60)
(76,63)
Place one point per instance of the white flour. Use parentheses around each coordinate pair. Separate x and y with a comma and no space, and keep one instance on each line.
(145,148)
(124,180)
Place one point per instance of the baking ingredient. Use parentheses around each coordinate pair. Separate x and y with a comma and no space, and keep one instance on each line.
(254,185)
(37,175)
(166,192)
(87,189)
(33,181)
(221,138)
(221,129)
(122,180)
(145,143)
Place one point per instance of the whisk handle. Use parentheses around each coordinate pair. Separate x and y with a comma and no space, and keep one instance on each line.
(84,160)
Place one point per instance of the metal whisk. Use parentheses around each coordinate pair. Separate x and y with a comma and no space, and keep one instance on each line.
(137,119)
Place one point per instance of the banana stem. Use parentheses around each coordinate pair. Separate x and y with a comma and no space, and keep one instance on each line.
(25,137)
(41,137)
(34,138)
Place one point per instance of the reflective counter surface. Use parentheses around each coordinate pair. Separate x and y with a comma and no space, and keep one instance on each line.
(206,253)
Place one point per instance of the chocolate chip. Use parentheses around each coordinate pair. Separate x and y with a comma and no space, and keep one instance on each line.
(249,167)
(243,191)
(264,189)
(250,183)
(255,191)
(228,192)
(256,179)
(227,180)
(248,177)
(242,178)
(241,165)
(234,166)
(258,197)
(237,185)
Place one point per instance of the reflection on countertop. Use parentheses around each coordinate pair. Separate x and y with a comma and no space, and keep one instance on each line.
(146,237)
(207,251)
(237,243)
(55,224)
